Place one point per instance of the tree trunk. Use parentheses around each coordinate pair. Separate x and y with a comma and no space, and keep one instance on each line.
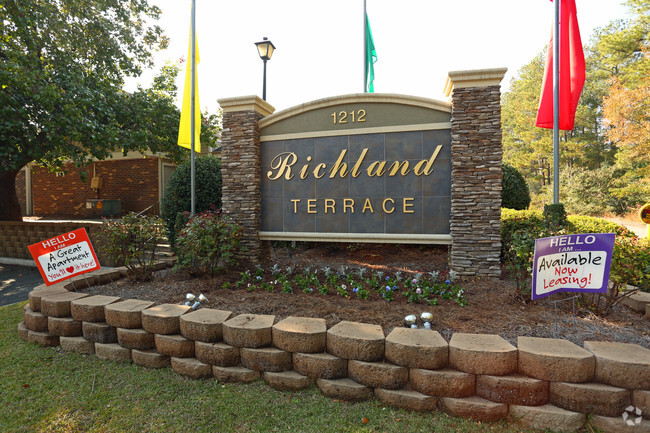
(9,204)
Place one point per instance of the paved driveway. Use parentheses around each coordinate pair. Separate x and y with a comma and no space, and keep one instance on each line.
(16,282)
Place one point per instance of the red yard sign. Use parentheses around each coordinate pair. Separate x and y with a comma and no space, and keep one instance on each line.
(64,256)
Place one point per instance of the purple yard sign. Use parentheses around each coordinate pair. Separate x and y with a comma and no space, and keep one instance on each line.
(572,263)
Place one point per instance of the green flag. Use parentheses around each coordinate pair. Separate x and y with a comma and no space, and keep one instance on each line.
(371,58)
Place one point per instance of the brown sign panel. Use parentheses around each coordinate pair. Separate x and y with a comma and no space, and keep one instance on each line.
(382,183)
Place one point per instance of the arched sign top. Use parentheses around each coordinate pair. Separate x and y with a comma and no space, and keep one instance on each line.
(360,113)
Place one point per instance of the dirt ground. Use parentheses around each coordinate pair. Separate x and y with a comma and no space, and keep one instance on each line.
(492,308)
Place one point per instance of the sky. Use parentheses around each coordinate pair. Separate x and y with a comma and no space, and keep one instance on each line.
(319,44)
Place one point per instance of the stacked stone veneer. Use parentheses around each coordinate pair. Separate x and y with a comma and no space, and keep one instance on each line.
(16,236)
(476,172)
(240,169)
(544,383)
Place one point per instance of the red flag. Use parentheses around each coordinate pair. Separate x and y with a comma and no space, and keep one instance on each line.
(571,71)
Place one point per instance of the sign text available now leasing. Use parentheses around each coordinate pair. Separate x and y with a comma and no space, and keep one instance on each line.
(572,263)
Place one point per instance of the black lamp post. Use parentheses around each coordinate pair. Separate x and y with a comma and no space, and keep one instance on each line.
(265,50)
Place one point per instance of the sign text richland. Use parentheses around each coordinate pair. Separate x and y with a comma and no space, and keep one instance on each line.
(282,166)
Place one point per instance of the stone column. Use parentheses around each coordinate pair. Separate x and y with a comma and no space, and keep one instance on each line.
(476,154)
(240,169)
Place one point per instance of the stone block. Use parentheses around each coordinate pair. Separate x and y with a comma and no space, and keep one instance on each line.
(164,319)
(300,334)
(112,352)
(442,383)
(58,304)
(344,389)
(594,398)
(64,326)
(221,354)
(191,367)
(204,325)
(176,346)
(378,374)
(641,399)
(517,389)
(135,338)
(35,296)
(621,364)
(23,332)
(77,344)
(265,359)
(482,354)
(320,365)
(106,276)
(409,400)
(150,358)
(35,320)
(358,341)
(249,330)
(548,417)
(417,348)
(618,425)
(555,360)
(43,338)
(99,332)
(286,380)
(126,314)
(475,408)
(91,309)
(81,282)
(235,374)
(637,301)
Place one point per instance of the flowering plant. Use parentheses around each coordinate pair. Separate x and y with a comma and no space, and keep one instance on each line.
(208,243)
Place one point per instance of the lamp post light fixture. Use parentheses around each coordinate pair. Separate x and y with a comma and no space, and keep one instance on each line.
(265,49)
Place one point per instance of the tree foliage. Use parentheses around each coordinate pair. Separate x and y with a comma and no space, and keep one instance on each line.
(63,65)
(604,160)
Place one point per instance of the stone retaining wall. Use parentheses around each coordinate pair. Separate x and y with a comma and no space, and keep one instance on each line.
(543,383)
(15,237)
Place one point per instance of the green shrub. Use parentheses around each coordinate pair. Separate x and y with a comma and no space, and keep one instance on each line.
(517,221)
(630,266)
(178,199)
(514,193)
(131,241)
(519,229)
(555,216)
(589,224)
(208,243)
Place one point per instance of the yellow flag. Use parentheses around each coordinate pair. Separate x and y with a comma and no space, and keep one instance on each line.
(185,131)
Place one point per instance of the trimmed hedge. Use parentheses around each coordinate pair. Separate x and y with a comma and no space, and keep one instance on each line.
(515,193)
(177,198)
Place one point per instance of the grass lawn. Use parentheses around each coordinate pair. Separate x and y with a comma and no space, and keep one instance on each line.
(47,390)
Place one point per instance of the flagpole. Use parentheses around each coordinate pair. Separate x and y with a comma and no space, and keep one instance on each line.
(192,105)
(556,104)
(365,48)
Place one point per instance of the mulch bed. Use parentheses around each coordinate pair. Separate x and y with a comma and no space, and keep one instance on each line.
(493,307)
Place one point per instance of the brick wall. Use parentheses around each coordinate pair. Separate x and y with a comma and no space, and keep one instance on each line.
(20,190)
(132,181)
